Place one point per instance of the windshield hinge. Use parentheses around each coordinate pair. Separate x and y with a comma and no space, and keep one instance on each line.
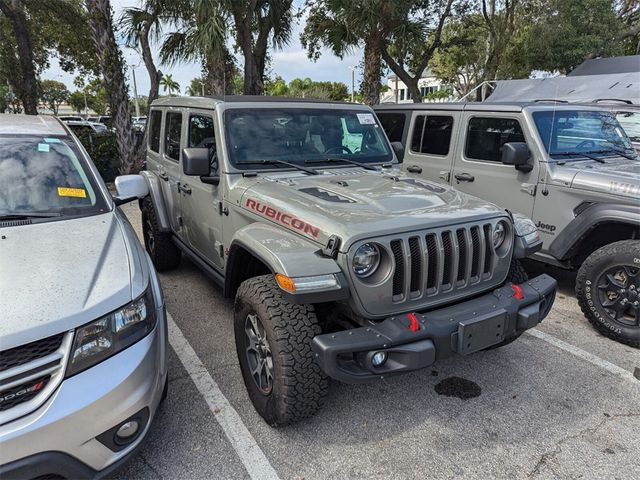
(529,188)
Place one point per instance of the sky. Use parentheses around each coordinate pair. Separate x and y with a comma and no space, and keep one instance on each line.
(289,63)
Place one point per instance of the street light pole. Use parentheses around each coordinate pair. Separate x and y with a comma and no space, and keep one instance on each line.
(353,84)
(135,90)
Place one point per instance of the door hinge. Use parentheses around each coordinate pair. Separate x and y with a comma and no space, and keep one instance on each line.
(445,175)
(529,188)
(180,222)
(222,209)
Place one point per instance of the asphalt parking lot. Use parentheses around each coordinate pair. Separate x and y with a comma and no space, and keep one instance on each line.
(562,402)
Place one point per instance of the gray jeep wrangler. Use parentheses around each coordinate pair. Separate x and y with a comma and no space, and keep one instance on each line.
(341,266)
(571,168)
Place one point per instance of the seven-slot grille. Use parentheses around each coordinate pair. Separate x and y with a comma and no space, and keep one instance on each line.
(434,263)
(29,373)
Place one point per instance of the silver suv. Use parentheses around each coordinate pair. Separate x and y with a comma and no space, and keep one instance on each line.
(571,168)
(83,333)
(341,265)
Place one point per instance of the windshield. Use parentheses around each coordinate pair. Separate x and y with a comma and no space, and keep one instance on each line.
(45,175)
(299,135)
(580,131)
(630,121)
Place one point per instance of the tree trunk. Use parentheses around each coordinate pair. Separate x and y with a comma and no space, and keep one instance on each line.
(372,68)
(219,71)
(154,74)
(112,67)
(27,88)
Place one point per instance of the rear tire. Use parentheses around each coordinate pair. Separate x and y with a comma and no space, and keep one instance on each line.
(164,254)
(608,291)
(273,342)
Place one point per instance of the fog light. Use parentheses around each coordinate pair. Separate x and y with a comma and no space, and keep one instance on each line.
(128,430)
(378,359)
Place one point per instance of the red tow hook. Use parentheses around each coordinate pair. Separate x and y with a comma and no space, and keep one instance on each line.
(414,325)
(517,291)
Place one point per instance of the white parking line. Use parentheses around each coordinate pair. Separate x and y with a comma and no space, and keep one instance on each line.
(589,357)
(252,457)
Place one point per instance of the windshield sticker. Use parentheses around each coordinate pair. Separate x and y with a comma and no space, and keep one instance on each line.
(366,118)
(283,218)
(52,140)
(72,192)
(43,147)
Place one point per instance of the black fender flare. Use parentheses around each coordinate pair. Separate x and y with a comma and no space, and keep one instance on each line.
(587,220)
(155,193)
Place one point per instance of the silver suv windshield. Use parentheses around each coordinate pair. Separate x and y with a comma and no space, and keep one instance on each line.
(45,177)
(579,132)
(257,137)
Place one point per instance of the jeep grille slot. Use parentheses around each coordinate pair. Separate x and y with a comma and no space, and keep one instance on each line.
(436,266)
(398,273)
(416,264)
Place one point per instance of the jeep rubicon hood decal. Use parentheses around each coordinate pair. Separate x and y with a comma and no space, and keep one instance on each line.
(379,204)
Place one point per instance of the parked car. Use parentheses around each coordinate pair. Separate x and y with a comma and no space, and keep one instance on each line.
(139,125)
(571,168)
(73,118)
(83,333)
(86,127)
(340,264)
(103,119)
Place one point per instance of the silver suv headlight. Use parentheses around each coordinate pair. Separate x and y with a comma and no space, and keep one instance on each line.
(366,260)
(499,234)
(103,338)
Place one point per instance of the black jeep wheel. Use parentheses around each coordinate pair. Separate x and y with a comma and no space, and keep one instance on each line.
(608,291)
(164,254)
(273,342)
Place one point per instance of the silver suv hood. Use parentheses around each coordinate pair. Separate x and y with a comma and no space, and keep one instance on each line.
(363,205)
(616,177)
(59,275)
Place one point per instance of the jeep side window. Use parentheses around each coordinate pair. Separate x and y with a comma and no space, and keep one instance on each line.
(202,135)
(393,125)
(486,136)
(154,130)
(173,128)
(432,134)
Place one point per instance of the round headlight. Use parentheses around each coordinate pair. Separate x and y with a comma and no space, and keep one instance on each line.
(366,260)
(499,234)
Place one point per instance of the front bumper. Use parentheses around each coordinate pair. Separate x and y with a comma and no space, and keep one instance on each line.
(463,328)
(63,436)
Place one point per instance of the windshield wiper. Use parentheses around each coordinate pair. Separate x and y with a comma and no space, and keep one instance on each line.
(281,162)
(617,152)
(343,160)
(579,154)
(26,215)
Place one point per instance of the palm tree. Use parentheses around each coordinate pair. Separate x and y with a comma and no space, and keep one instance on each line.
(201,35)
(112,67)
(169,84)
(343,25)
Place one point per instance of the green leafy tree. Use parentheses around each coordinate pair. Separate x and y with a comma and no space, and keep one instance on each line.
(5,91)
(53,93)
(196,87)
(169,85)
(32,32)
(76,100)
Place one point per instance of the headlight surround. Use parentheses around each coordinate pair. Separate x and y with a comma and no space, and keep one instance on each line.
(103,338)
(523,225)
(366,260)
(499,234)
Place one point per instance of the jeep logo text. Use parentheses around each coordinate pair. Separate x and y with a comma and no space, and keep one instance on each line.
(283,218)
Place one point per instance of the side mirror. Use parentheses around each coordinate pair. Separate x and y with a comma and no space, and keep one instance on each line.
(398,149)
(518,155)
(130,187)
(195,162)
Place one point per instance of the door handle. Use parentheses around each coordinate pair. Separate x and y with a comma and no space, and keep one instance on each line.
(414,169)
(163,176)
(464,177)
(184,189)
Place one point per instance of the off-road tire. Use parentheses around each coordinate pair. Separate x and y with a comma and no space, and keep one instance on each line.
(164,254)
(625,252)
(517,274)
(299,385)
